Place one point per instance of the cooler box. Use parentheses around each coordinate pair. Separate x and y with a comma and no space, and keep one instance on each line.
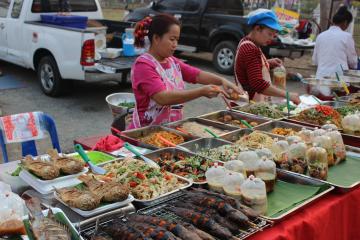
(66,21)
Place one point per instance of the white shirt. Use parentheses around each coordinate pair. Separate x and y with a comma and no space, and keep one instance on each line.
(333,48)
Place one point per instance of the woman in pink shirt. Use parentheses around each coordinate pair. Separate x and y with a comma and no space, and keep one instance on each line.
(158,78)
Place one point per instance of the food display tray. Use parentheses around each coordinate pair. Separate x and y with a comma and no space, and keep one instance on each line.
(197,145)
(220,126)
(238,109)
(132,136)
(351,151)
(268,127)
(235,136)
(100,209)
(175,151)
(236,115)
(291,177)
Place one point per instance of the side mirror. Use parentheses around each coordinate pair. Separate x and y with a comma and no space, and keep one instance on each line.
(154,5)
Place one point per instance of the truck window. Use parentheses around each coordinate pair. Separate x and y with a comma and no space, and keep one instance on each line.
(192,5)
(171,5)
(16,10)
(231,7)
(4,8)
(43,6)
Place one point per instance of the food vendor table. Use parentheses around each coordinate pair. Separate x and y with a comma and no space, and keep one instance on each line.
(335,216)
(89,142)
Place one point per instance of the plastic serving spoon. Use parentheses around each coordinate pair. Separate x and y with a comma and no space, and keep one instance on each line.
(211,133)
(95,169)
(138,154)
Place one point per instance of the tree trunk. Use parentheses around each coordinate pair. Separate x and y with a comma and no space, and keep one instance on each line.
(325,6)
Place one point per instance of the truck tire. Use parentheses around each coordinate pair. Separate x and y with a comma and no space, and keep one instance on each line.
(49,77)
(224,57)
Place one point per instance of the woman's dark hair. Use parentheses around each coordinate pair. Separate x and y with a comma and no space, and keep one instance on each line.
(150,26)
(342,15)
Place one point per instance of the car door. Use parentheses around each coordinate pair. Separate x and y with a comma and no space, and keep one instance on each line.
(4,9)
(188,12)
(14,33)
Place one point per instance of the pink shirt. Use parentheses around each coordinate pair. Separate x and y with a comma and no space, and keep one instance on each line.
(147,82)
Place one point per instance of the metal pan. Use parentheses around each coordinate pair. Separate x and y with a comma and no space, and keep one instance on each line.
(339,188)
(222,127)
(198,145)
(174,151)
(133,136)
(235,116)
(239,110)
(290,177)
(268,127)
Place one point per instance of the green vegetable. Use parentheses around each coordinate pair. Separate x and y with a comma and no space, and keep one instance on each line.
(16,172)
(348,109)
(127,104)
(263,109)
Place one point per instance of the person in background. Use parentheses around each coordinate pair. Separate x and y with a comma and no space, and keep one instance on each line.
(158,78)
(335,48)
(252,69)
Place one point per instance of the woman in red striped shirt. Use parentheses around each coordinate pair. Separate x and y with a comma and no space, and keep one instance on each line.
(252,69)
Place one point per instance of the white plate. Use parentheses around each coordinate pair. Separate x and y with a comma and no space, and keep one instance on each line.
(99,210)
(55,211)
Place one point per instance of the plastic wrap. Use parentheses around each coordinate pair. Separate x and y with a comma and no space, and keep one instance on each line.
(267,172)
(232,184)
(317,162)
(338,145)
(235,166)
(297,157)
(326,143)
(215,178)
(251,161)
(253,194)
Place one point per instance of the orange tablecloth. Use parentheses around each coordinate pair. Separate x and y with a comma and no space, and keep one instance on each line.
(333,217)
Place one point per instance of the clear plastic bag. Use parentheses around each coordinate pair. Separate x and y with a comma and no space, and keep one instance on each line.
(251,161)
(215,178)
(307,136)
(12,209)
(280,151)
(265,152)
(267,172)
(338,145)
(351,124)
(293,139)
(297,157)
(253,194)
(330,127)
(235,166)
(326,143)
(319,132)
(317,162)
(232,184)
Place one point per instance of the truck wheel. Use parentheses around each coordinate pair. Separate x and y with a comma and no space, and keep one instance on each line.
(224,57)
(49,77)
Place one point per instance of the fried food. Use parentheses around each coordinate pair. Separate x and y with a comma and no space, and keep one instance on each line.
(81,199)
(283,131)
(67,165)
(43,169)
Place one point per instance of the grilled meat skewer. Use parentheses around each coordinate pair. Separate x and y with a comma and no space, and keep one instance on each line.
(156,233)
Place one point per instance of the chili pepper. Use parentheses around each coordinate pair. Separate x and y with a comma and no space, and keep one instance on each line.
(133,184)
(140,176)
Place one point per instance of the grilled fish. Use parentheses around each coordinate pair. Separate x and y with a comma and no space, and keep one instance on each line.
(202,221)
(67,165)
(108,192)
(154,232)
(203,235)
(82,199)
(120,231)
(176,228)
(45,228)
(42,169)
(212,213)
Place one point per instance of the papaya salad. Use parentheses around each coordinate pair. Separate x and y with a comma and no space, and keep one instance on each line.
(144,181)
(320,115)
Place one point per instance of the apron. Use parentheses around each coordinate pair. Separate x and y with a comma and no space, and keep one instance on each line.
(156,113)
(258,97)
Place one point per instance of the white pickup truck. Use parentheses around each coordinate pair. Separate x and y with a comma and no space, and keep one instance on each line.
(58,54)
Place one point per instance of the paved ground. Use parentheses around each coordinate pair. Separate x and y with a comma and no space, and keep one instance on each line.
(84,112)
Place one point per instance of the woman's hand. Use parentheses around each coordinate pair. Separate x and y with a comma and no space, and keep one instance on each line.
(295,98)
(229,87)
(210,91)
(275,62)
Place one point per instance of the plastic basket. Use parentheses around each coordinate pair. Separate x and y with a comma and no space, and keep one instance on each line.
(66,21)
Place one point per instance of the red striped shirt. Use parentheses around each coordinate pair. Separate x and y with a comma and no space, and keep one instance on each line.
(248,68)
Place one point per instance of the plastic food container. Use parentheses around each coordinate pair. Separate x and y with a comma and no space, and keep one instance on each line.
(317,162)
(215,178)
(267,172)
(253,194)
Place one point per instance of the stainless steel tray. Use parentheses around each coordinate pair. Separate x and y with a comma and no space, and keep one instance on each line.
(197,145)
(291,177)
(174,151)
(236,115)
(239,110)
(235,136)
(223,127)
(132,136)
(339,188)
(268,127)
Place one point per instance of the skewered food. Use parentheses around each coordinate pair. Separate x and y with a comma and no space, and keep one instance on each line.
(81,199)
(154,140)
(47,228)
(43,169)
(106,191)
(145,182)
